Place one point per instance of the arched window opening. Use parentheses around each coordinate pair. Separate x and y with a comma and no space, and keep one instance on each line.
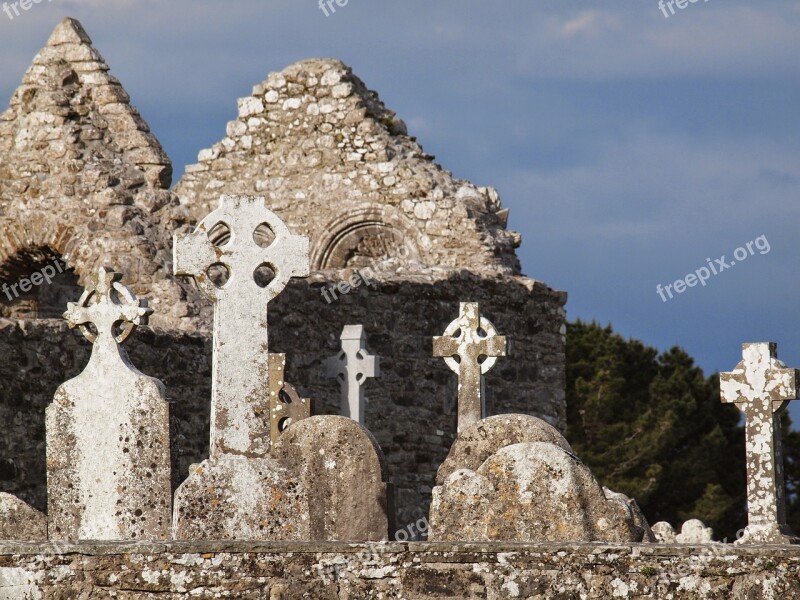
(36,284)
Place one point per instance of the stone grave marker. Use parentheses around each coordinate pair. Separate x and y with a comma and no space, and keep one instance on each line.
(467,340)
(351,367)
(761,387)
(285,404)
(108,444)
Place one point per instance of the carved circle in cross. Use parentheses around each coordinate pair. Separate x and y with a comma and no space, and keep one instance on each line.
(111,292)
(458,331)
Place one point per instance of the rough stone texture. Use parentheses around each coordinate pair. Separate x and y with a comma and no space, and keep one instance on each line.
(352,367)
(240,404)
(411,571)
(761,387)
(664,532)
(339,167)
(414,388)
(467,340)
(325,480)
(285,404)
(694,531)
(479,441)
(342,467)
(532,491)
(108,432)
(642,528)
(20,521)
(82,177)
(238,498)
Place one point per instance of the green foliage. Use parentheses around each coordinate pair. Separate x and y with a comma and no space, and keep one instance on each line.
(652,426)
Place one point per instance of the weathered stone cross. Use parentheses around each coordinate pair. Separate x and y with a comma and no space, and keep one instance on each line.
(465,342)
(352,366)
(761,387)
(285,404)
(240,407)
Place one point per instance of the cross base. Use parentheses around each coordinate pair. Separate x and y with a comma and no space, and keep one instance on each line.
(768,534)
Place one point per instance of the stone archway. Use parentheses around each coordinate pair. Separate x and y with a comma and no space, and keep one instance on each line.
(363,238)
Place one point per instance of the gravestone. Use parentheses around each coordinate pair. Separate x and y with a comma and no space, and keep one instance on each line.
(761,387)
(352,367)
(285,404)
(470,347)
(514,478)
(108,444)
(20,521)
(239,492)
(240,425)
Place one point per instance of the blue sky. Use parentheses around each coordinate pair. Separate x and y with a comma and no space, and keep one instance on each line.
(630,147)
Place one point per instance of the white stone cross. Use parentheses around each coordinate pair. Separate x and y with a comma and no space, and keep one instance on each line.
(466,341)
(761,387)
(352,366)
(240,423)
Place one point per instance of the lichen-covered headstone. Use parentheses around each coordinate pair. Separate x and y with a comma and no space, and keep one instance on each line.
(514,478)
(352,366)
(285,404)
(470,347)
(20,521)
(239,492)
(761,387)
(108,445)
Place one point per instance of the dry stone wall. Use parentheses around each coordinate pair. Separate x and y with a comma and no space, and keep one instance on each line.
(340,168)
(411,408)
(412,571)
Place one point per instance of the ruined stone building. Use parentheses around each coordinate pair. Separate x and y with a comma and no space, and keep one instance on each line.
(83,178)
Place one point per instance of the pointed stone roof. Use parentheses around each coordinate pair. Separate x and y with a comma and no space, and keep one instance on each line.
(340,167)
(82,177)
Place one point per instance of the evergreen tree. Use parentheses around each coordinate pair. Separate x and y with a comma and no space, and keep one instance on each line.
(652,426)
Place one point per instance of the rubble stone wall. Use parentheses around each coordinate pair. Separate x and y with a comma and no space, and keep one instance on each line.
(411,408)
(335,571)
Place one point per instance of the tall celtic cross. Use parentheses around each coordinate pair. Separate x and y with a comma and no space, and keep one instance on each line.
(470,346)
(240,406)
(761,387)
(352,366)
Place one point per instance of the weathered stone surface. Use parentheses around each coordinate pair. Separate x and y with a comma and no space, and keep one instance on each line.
(761,387)
(531,491)
(241,498)
(285,404)
(352,367)
(20,521)
(82,177)
(482,439)
(43,353)
(394,571)
(240,403)
(342,467)
(108,438)
(470,347)
(664,532)
(694,531)
(339,167)
(643,531)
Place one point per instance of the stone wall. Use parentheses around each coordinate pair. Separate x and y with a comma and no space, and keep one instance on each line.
(411,409)
(339,571)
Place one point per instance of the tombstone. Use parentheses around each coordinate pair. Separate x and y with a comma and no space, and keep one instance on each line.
(285,404)
(240,395)
(465,341)
(20,521)
(239,492)
(108,444)
(351,367)
(761,387)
